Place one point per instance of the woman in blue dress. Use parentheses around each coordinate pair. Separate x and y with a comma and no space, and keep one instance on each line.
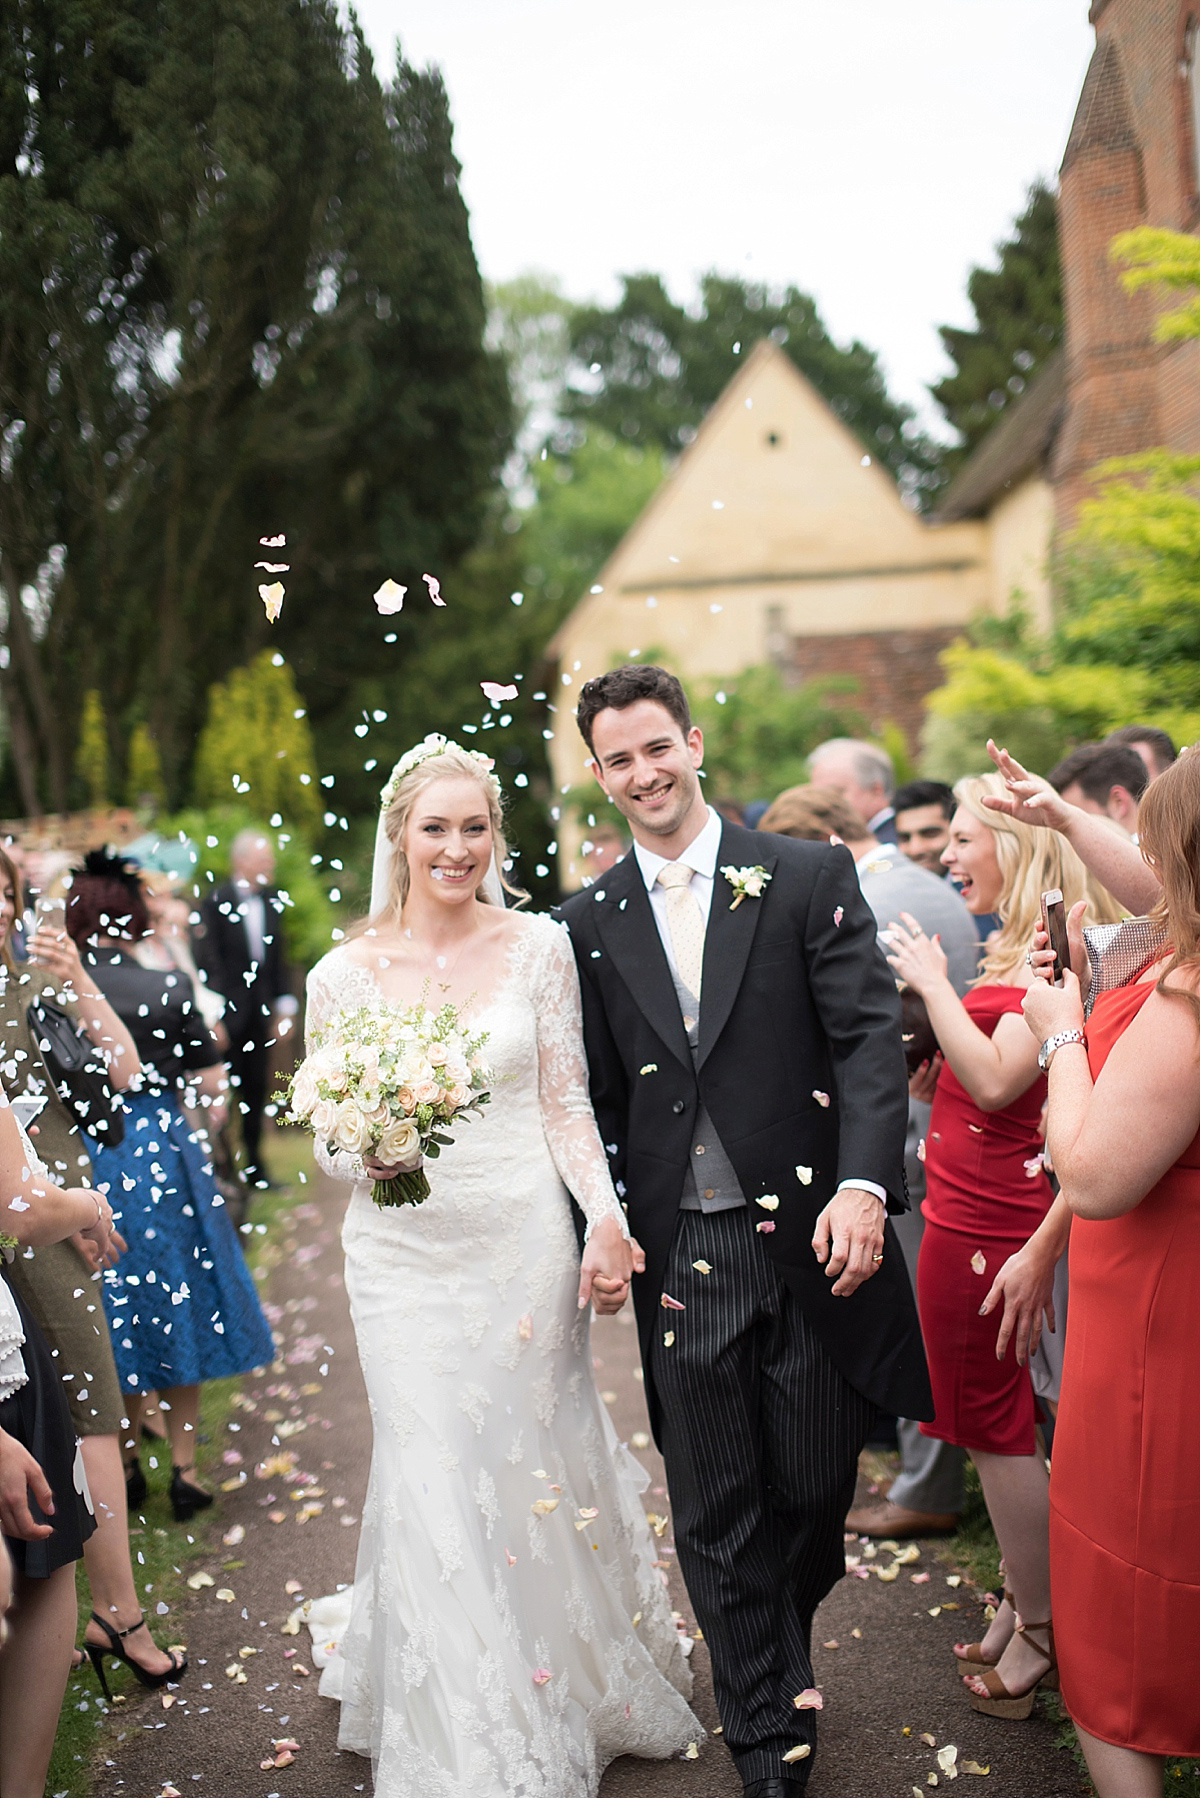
(181,1304)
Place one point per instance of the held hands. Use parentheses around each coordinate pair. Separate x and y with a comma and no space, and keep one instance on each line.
(919,960)
(848,1239)
(96,1257)
(610,1260)
(385,1170)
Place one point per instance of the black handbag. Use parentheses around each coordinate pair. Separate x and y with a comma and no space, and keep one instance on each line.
(78,1072)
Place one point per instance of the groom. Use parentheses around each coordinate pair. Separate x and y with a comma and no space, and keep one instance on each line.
(747,1073)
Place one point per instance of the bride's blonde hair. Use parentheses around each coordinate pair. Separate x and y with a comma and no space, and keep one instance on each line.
(450,763)
(1032,860)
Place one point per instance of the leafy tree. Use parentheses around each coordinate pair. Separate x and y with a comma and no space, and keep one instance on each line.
(91,754)
(144,775)
(1019,321)
(648,370)
(587,498)
(759,733)
(257,741)
(1169,259)
(237,298)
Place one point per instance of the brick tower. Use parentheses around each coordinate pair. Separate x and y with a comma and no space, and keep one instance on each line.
(1133,158)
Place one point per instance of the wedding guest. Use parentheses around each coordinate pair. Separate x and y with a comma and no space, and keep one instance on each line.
(924,809)
(927,1496)
(1124,1130)
(1153,745)
(239,948)
(863,774)
(45,1508)
(1107,778)
(59,1282)
(990,1215)
(181,1303)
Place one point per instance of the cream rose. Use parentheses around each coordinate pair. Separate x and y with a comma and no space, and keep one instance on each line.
(304,1091)
(427,1092)
(352,1131)
(324,1119)
(400,1143)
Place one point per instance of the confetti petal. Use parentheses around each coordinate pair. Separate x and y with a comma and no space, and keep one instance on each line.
(930,1741)
(389,598)
(920,1579)
(809,1700)
(979,1262)
(765,1228)
(272,598)
(496,693)
(197,1581)
(921,1150)
(838,915)
(769,1201)
(542,1507)
(702,1267)
(651,1067)
(669,1339)
(804,1175)
(887,1574)
(588,1512)
(947,1756)
(670,1304)
(273,542)
(800,1752)
(274,567)
(435,588)
(639,1439)
(233,1536)
(541,1675)
(510,1558)
(821,1098)
(691,1752)
(974,1767)
(525,1327)
(225,1595)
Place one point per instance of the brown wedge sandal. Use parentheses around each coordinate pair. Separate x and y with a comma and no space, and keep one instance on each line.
(1000,1702)
(974,1656)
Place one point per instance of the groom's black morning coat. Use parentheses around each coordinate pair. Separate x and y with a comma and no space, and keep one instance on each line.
(797,1002)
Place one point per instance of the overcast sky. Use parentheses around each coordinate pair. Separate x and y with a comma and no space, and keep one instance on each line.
(870,151)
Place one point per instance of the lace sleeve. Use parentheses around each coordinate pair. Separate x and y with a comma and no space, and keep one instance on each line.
(324,998)
(567,1116)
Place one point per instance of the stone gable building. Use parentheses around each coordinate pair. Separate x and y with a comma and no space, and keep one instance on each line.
(775,538)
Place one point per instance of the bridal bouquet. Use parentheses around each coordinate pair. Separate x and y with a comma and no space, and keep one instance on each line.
(387,1083)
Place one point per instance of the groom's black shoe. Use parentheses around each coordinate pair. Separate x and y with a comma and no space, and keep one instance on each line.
(774,1788)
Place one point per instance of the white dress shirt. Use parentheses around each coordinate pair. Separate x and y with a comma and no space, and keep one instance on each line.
(701,857)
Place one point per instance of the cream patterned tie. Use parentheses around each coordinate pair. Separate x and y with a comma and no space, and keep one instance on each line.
(686,923)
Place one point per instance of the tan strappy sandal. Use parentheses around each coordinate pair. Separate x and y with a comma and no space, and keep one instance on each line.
(975,1657)
(1000,1702)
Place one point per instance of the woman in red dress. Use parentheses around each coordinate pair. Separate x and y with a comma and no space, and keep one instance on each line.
(993,1229)
(1125,1492)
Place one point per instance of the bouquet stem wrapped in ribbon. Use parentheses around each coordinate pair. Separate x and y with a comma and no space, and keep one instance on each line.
(388,1083)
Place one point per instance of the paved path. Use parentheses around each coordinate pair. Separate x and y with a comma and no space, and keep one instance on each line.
(888,1666)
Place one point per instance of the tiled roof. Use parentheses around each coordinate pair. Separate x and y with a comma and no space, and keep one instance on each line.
(1102,118)
(1014,447)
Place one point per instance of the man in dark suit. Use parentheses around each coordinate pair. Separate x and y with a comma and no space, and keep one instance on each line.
(239,950)
(747,1073)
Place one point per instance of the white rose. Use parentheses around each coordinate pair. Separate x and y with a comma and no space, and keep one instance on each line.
(352,1131)
(400,1143)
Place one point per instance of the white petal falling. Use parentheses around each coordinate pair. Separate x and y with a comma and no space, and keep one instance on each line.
(389,598)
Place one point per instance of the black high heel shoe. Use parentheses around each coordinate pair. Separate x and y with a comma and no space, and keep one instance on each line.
(186,1498)
(96,1655)
(135,1484)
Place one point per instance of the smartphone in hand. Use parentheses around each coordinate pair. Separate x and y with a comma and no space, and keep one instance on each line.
(1054,923)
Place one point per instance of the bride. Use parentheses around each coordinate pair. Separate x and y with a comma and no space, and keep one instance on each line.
(508,1633)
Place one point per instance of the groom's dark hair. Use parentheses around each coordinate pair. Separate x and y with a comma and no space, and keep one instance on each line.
(622,687)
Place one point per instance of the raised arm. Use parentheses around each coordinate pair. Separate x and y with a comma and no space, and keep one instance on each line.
(55,951)
(1106,853)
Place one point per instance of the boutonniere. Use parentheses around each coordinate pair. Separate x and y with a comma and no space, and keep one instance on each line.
(747,883)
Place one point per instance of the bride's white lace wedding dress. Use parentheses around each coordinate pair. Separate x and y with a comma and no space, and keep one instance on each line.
(508,1632)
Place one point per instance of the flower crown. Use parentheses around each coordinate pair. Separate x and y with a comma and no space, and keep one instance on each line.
(434,744)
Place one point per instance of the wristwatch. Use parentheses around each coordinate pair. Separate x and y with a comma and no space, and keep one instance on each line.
(1052,1043)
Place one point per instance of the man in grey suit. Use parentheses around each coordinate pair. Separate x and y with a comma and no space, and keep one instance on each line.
(928,1494)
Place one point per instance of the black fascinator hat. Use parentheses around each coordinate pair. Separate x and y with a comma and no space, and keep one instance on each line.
(106,898)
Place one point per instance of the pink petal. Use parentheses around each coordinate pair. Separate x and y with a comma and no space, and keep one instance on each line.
(765,1228)
(541,1675)
(838,915)
(495,692)
(670,1304)
(435,588)
(810,1700)
(273,542)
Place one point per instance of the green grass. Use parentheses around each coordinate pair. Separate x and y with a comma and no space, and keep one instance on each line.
(163,1551)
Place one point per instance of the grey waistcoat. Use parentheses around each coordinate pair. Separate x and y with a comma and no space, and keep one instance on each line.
(711,1184)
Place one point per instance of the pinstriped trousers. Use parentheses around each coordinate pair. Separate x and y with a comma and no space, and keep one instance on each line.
(761,1436)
